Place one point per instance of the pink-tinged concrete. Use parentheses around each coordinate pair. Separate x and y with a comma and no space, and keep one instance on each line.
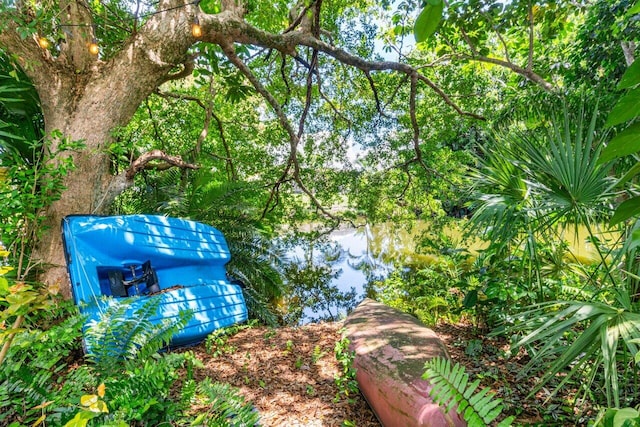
(391,350)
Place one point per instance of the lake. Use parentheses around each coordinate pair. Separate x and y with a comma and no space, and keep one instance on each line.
(359,255)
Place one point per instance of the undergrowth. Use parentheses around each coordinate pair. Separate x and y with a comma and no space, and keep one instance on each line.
(126,382)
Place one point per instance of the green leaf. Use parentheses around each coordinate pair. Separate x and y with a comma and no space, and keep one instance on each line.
(81,419)
(631,77)
(434,2)
(471,299)
(210,6)
(626,210)
(507,422)
(625,143)
(623,415)
(634,242)
(625,109)
(635,170)
(428,21)
(634,9)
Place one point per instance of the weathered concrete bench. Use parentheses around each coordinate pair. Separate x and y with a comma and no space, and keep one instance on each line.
(391,349)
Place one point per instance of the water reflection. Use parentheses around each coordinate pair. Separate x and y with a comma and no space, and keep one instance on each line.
(330,276)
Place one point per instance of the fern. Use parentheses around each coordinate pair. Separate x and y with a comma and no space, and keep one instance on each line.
(226,406)
(36,371)
(119,334)
(450,387)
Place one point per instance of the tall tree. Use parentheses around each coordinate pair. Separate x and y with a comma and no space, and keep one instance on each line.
(86,92)
(94,62)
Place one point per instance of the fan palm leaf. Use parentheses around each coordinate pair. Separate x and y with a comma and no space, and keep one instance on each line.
(256,260)
(602,327)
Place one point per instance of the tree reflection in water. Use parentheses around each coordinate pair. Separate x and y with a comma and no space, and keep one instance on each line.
(328,275)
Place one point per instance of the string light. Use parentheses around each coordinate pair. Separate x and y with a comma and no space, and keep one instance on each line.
(94,49)
(196,29)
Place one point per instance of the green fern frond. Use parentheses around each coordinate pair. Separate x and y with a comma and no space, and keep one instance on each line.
(450,387)
(119,334)
(227,407)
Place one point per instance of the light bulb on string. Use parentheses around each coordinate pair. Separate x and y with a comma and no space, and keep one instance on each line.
(94,49)
(196,29)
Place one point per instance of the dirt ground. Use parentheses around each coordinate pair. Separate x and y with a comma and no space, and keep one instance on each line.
(288,374)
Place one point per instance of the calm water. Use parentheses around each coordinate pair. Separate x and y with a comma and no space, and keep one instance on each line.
(359,255)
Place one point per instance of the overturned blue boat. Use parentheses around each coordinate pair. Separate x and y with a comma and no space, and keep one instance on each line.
(110,258)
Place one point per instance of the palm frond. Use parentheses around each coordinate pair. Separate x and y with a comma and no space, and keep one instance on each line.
(601,328)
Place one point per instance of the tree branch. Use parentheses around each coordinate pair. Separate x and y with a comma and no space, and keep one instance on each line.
(414,120)
(231,170)
(375,94)
(527,73)
(144,163)
(240,32)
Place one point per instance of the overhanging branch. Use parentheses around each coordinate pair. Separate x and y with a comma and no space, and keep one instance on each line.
(156,160)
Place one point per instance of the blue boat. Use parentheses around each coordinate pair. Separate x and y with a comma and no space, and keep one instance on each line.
(110,258)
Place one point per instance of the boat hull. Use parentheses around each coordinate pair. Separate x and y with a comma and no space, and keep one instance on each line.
(106,257)
(391,349)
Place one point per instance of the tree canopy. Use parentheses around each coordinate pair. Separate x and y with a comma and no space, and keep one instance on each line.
(279,94)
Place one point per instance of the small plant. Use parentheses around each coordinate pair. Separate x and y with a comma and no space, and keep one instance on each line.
(451,387)
(299,362)
(288,346)
(474,348)
(270,334)
(217,343)
(318,354)
(36,379)
(346,379)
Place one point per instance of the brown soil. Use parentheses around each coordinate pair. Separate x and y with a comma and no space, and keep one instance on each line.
(288,374)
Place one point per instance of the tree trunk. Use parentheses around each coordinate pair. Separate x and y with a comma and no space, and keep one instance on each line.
(86,99)
(86,186)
